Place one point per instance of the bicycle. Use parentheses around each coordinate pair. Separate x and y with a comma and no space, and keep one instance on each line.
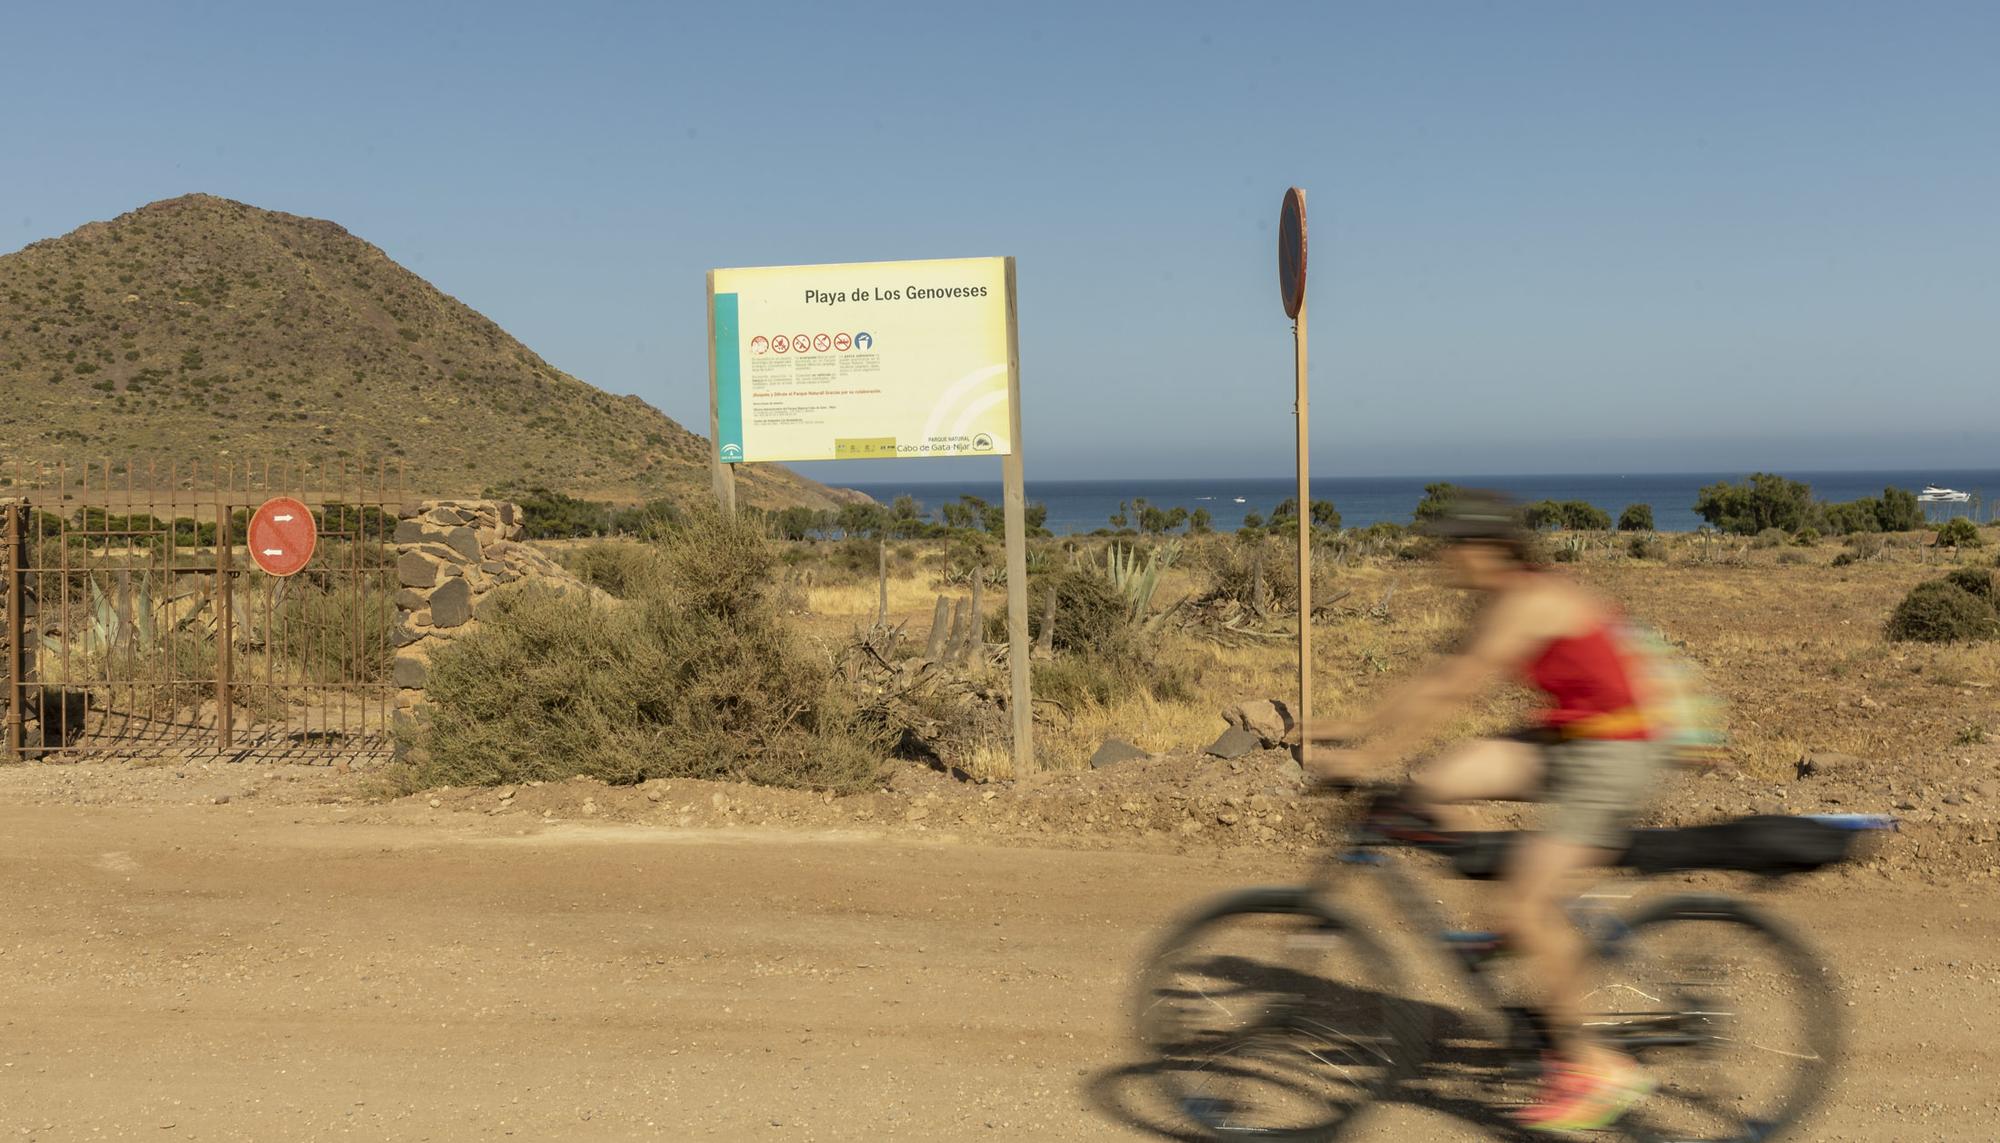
(1728,1009)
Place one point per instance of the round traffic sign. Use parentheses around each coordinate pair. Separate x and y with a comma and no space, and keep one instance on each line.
(1292,251)
(282,536)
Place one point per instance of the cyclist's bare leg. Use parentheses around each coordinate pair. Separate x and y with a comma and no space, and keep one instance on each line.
(1479,770)
(1534,892)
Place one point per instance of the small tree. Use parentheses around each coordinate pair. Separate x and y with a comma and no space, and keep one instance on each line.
(1636,518)
(1764,501)
(1437,501)
(1583,516)
(1899,511)
(1543,514)
(1201,523)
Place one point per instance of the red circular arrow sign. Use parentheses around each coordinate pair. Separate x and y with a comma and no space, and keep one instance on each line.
(282,536)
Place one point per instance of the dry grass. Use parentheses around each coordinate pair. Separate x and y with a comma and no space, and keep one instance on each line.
(1795,651)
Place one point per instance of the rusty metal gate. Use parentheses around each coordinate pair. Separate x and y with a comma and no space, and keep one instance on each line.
(133,621)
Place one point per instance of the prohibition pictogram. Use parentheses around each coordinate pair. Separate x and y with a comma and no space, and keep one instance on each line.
(779,344)
(821,343)
(841,341)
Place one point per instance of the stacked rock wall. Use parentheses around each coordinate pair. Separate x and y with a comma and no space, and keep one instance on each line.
(449,555)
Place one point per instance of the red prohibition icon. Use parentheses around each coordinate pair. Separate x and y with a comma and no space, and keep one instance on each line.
(759,344)
(841,341)
(779,344)
(801,342)
(821,343)
(282,536)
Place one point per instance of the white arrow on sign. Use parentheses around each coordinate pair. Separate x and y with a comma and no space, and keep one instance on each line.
(274,551)
(285,519)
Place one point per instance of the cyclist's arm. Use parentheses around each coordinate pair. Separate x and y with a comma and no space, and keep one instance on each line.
(1513,630)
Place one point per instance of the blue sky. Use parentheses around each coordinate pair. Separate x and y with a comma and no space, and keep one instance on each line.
(1546,236)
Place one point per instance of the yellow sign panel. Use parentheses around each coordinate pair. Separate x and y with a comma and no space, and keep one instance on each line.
(868,359)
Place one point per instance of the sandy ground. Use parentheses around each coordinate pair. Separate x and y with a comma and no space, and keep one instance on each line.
(274,971)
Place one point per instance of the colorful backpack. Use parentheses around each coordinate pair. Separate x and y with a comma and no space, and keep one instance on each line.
(1685,716)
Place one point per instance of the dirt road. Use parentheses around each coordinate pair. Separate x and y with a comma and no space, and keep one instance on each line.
(230,973)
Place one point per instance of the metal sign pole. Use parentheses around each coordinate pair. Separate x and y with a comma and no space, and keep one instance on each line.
(1305,520)
(1292,290)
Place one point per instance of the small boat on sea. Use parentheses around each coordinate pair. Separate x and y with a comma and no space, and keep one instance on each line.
(1239,500)
(1932,494)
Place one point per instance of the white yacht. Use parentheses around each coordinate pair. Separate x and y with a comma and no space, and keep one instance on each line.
(1932,494)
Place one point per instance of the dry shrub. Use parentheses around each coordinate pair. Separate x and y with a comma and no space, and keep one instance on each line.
(1939,611)
(1646,548)
(615,566)
(1771,538)
(1092,616)
(1238,569)
(694,677)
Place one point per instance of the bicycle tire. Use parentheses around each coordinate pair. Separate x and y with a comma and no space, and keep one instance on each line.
(1796,982)
(1284,1026)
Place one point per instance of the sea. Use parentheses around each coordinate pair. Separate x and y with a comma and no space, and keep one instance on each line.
(1081,506)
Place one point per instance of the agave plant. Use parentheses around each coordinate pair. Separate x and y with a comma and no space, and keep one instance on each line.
(1137,580)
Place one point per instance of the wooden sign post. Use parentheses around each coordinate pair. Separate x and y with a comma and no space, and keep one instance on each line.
(1292,287)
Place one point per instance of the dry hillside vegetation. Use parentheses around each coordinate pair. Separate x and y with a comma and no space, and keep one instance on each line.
(198,327)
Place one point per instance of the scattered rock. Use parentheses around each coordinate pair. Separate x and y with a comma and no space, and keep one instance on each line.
(505,792)
(1289,770)
(1269,719)
(1821,763)
(436,802)
(1233,743)
(221,799)
(655,795)
(1114,751)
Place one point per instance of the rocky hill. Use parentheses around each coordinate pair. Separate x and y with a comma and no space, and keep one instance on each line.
(198,326)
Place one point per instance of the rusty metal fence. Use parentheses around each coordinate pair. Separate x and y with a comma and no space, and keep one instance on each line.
(136,623)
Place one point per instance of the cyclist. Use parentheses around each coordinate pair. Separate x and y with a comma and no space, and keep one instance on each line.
(1590,753)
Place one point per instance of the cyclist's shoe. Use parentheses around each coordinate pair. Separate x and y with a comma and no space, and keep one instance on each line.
(1576,1098)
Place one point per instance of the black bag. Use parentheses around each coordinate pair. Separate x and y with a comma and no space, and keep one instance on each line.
(1771,844)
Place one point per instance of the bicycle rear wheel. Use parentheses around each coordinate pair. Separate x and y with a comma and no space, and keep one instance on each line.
(1270,1016)
(1728,1011)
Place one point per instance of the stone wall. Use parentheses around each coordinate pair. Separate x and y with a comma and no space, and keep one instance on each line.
(449,555)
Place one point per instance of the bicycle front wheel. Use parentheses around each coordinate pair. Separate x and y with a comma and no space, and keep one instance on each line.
(1268,1015)
(1728,1011)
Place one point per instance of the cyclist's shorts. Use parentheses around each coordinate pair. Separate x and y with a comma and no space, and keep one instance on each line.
(1595,788)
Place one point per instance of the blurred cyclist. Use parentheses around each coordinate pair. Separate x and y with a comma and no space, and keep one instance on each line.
(1589,753)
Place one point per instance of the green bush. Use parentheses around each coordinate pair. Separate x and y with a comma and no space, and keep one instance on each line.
(693,677)
(1899,511)
(1939,611)
(1959,532)
(1636,518)
(1807,537)
(1646,548)
(1771,538)
(1977,581)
